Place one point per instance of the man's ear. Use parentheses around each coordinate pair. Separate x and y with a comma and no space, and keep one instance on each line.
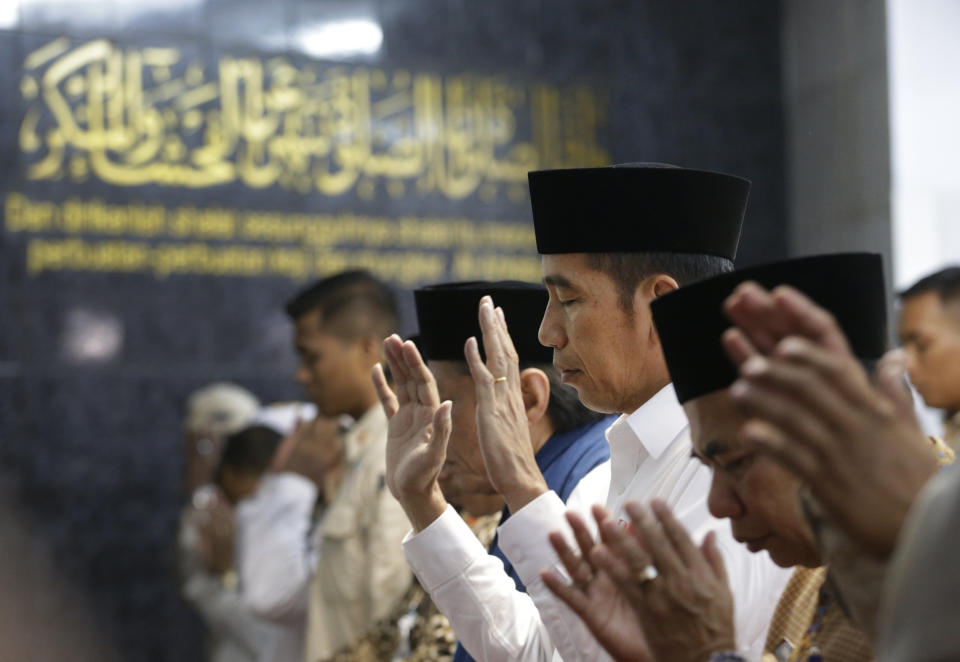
(535,387)
(654,287)
(660,284)
(372,348)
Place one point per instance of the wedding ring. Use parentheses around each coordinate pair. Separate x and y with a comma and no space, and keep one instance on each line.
(648,574)
(499,379)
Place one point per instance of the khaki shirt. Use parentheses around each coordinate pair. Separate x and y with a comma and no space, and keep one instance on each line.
(361,572)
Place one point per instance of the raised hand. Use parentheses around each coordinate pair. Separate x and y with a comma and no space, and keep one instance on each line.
(682,611)
(418,431)
(594,596)
(502,425)
(315,451)
(685,606)
(814,409)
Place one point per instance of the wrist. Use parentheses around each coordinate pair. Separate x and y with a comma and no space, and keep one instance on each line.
(522,493)
(423,508)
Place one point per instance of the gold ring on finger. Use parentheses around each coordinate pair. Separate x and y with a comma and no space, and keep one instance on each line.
(499,379)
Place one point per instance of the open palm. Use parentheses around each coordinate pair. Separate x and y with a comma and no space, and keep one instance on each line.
(418,423)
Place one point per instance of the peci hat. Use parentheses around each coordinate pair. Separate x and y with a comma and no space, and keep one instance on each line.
(448,314)
(691,321)
(637,208)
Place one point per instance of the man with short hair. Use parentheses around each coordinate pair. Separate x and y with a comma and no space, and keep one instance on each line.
(355,572)
(930,334)
(567,442)
(613,239)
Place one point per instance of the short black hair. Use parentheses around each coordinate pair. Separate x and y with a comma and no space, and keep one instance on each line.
(946,283)
(356,302)
(628,269)
(250,450)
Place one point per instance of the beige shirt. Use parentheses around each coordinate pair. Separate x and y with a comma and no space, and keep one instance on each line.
(951,431)
(361,572)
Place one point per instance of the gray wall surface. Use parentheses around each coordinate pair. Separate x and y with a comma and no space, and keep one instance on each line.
(838,137)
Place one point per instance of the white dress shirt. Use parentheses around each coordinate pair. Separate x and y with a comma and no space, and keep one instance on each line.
(236,634)
(274,557)
(491,618)
(650,458)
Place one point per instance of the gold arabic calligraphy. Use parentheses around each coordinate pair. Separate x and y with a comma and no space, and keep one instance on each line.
(137,116)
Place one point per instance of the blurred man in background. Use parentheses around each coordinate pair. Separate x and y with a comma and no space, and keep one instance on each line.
(350,572)
(205,538)
(930,334)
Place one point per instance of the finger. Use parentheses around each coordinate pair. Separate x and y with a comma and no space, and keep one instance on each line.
(580,532)
(392,345)
(842,371)
(600,514)
(387,397)
(737,345)
(393,353)
(809,320)
(714,558)
(442,424)
(752,308)
(654,540)
(678,536)
(501,355)
(793,419)
(426,385)
(623,548)
(803,392)
(577,565)
(573,596)
(482,379)
(608,560)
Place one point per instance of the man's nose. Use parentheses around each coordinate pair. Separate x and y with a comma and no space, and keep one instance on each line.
(551,332)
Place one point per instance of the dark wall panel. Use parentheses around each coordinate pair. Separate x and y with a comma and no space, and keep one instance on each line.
(95,366)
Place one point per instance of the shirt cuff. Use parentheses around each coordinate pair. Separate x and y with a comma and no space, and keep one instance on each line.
(443,550)
(523,538)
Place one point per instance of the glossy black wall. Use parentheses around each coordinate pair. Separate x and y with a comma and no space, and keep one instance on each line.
(92,451)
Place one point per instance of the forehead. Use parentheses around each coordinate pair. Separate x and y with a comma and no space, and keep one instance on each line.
(572,270)
(921,307)
(309,328)
(714,422)
(453,378)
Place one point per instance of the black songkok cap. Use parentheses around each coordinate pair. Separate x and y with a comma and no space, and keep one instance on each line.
(691,321)
(448,315)
(637,208)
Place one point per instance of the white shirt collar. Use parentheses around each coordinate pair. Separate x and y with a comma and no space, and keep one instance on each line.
(653,426)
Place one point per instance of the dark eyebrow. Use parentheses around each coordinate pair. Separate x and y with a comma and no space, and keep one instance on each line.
(714,448)
(557,281)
